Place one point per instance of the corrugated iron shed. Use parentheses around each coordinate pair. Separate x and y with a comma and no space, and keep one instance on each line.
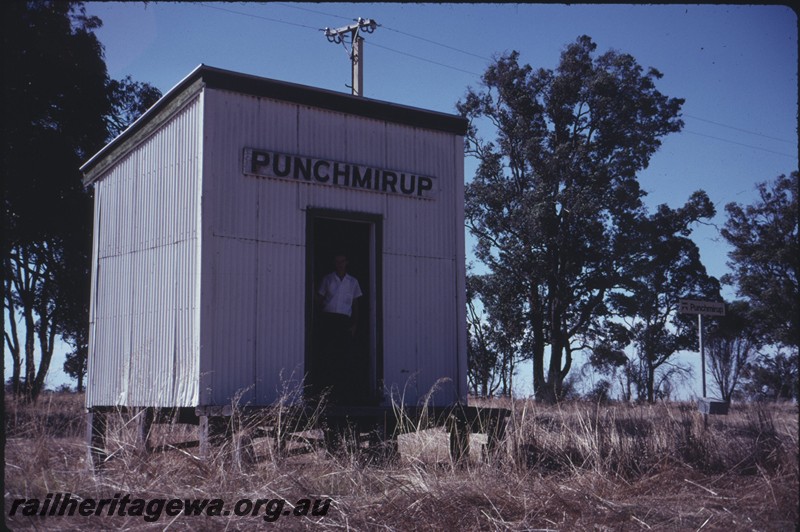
(204,268)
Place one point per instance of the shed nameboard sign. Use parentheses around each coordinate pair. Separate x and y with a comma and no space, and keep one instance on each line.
(709,308)
(264,163)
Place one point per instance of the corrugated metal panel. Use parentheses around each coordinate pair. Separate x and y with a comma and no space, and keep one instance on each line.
(153,310)
(427,154)
(419,321)
(331,135)
(145,348)
(254,247)
(253,256)
(280,304)
(235,122)
(461,266)
(365,141)
(111,323)
(90,390)
(230,369)
(420,279)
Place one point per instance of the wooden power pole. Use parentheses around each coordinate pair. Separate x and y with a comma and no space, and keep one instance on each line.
(356,53)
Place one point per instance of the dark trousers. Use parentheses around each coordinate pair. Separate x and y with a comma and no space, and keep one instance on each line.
(336,357)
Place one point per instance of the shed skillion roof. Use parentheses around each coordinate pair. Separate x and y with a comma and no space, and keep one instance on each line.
(217,78)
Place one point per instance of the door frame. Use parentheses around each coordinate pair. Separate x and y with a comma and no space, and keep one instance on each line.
(314,216)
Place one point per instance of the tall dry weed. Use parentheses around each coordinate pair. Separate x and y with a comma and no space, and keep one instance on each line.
(574,466)
(631,441)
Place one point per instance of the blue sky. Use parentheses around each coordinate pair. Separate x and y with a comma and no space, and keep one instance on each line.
(735,65)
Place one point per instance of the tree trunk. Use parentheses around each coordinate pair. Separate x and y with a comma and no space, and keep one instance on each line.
(557,347)
(30,368)
(12,339)
(651,377)
(554,372)
(537,326)
(511,376)
(46,340)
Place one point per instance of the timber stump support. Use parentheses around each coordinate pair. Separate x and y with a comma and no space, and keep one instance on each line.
(386,436)
(215,427)
(494,425)
(459,430)
(369,430)
(96,425)
(213,432)
(144,423)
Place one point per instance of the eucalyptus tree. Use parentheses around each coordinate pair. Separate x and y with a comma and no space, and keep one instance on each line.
(497,333)
(765,257)
(732,344)
(764,265)
(773,376)
(482,359)
(53,107)
(667,268)
(58,106)
(556,186)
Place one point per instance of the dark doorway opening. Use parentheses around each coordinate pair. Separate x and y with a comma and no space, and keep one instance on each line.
(357,236)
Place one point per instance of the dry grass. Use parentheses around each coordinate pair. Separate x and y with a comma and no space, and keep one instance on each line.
(576,466)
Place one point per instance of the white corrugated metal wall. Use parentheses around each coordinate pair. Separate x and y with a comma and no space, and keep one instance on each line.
(253,291)
(144,335)
(254,256)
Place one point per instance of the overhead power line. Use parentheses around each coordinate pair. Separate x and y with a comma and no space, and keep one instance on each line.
(437,43)
(314,11)
(390,29)
(423,59)
(737,128)
(279,21)
(740,144)
(260,17)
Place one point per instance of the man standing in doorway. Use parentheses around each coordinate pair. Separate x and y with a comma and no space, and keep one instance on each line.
(337,296)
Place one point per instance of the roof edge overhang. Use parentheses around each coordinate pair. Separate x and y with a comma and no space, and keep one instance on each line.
(206,76)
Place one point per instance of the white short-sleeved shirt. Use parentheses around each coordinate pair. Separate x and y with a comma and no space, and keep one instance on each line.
(338,294)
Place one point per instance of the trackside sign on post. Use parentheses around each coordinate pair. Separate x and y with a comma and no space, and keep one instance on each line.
(707,308)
